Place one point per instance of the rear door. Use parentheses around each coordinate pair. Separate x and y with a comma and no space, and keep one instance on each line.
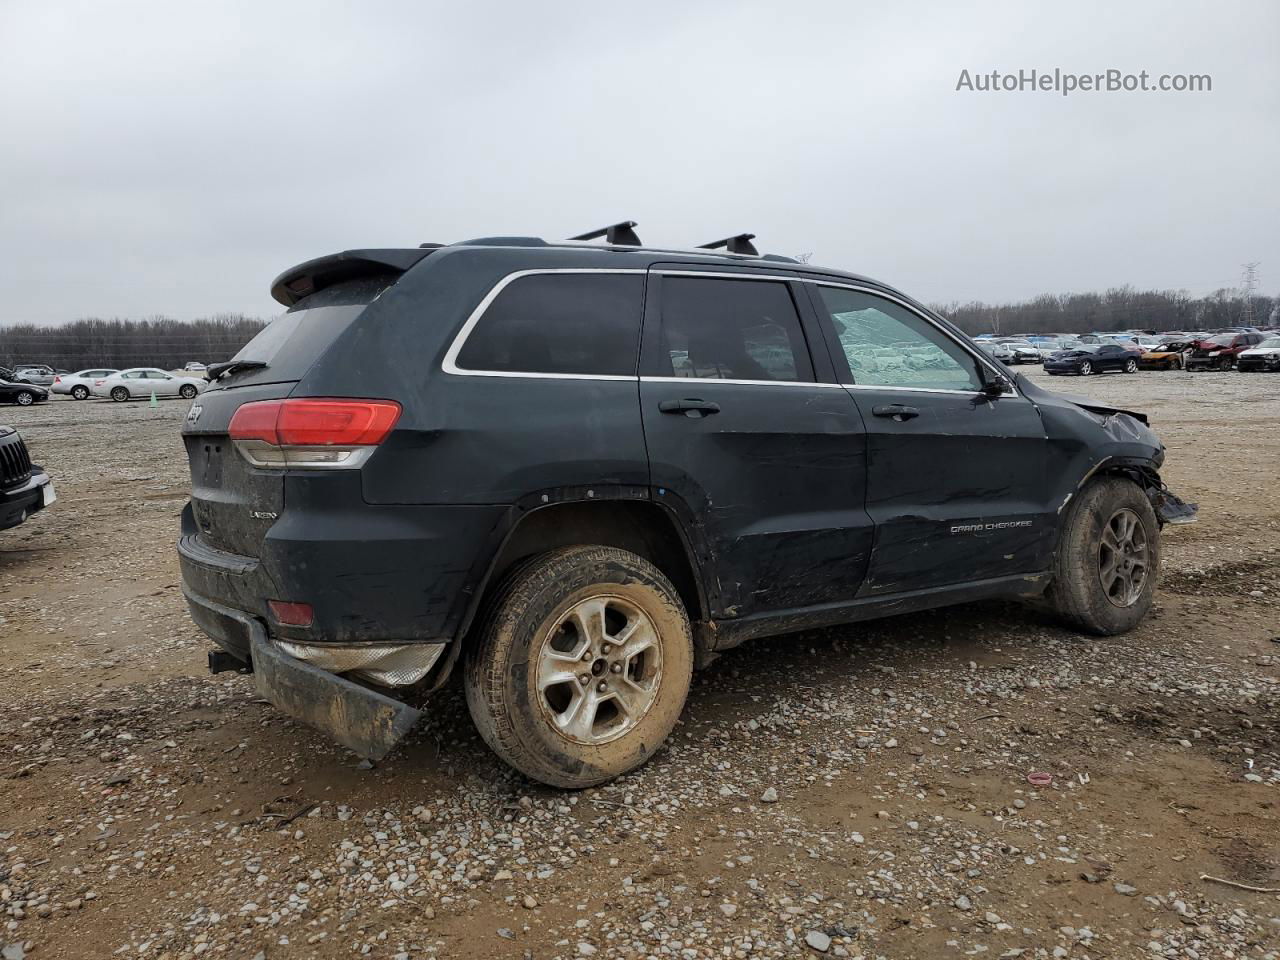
(955,478)
(765,463)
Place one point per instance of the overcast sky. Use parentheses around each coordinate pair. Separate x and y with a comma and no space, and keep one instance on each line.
(161,157)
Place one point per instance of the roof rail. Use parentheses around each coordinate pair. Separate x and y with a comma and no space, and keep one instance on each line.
(736,244)
(620,234)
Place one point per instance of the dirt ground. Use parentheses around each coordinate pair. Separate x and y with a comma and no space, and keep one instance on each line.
(859,792)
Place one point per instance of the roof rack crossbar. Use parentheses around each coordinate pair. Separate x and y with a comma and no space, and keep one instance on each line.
(622,234)
(737,244)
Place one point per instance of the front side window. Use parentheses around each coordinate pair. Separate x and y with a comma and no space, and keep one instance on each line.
(888,345)
(582,324)
(722,329)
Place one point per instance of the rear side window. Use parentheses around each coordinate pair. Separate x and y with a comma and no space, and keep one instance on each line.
(721,329)
(579,324)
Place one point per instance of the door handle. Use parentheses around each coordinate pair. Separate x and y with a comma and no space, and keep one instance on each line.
(690,408)
(897,411)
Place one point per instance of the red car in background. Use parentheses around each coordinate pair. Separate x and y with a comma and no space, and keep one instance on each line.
(1219,352)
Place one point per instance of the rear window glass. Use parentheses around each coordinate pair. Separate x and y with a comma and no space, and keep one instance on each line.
(291,343)
(559,323)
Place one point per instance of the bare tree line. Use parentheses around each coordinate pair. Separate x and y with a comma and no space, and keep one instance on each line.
(169,344)
(1120,308)
(151,342)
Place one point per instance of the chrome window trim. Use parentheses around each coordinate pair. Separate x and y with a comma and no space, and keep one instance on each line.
(978,355)
(450,363)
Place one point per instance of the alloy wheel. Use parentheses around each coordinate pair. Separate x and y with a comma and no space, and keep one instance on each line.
(1123,558)
(1086,368)
(24,399)
(598,669)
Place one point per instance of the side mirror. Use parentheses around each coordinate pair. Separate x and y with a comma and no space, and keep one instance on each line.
(997,387)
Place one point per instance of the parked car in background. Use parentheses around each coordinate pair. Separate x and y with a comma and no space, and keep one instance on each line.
(1023,351)
(139,383)
(24,486)
(23,394)
(1219,352)
(1168,355)
(1106,357)
(80,385)
(996,350)
(195,366)
(1264,356)
(36,373)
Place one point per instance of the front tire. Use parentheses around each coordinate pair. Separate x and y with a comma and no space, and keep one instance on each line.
(25,399)
(581,667)
(1108,559)
(80,392)
(119,394)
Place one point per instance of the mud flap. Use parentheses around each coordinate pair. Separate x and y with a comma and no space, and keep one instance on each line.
(360,719)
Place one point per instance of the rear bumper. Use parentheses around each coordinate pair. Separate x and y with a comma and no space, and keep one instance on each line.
(19,503)
(363,720)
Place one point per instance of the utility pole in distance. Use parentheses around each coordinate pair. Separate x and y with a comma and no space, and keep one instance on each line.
(1249,280)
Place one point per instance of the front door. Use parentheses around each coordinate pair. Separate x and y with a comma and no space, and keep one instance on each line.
(765,464)
(955,477)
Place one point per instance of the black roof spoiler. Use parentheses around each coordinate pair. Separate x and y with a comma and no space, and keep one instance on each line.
(306,278)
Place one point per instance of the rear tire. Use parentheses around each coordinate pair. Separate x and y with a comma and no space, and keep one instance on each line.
(119,394)
(1086,368)
(1131,366)
(1098,586)
(188,391)
(80,392)
(556,619)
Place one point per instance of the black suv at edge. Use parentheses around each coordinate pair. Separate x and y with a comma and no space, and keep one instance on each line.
(579,470)
(24,486)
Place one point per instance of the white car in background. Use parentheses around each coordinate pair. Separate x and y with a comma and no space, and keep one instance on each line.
(80,384)
(139,383)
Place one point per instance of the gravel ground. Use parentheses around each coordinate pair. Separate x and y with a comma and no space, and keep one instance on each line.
(855,792)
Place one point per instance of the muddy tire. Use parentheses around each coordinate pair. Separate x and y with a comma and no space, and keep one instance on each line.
(1108,558)
(581,665)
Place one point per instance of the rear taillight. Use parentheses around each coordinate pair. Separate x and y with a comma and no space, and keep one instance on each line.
(57,379)
(311,432)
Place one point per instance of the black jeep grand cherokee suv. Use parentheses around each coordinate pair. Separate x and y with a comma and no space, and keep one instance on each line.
(578,470)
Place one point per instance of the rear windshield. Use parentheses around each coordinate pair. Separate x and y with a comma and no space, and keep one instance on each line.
(290,344)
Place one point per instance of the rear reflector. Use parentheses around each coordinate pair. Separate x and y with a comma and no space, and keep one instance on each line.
(291,614)
(312,432)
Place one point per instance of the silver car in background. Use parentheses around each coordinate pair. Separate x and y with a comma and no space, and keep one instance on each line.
(140,383)
(80,384)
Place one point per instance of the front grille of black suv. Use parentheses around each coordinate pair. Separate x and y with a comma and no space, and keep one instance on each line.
(15,463)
